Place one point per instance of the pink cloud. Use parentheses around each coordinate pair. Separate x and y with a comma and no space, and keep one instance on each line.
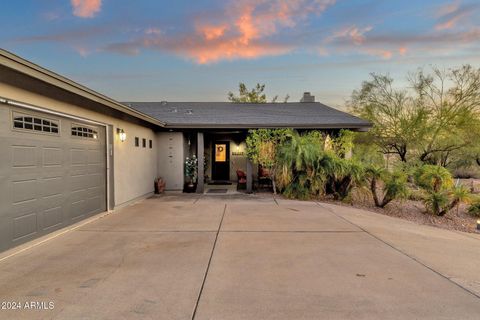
(86,8)
(353,34)
(450,15)
(243,31)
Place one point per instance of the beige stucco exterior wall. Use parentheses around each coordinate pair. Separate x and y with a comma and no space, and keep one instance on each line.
(171,157)
(135,168)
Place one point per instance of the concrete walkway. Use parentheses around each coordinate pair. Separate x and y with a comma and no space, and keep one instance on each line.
(246,257)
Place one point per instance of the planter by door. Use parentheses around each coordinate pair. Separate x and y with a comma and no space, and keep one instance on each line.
(221,161)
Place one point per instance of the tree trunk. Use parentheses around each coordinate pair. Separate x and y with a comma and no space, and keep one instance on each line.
(386,200)
(373,189)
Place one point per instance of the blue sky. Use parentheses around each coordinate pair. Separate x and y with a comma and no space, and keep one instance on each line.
(149,50)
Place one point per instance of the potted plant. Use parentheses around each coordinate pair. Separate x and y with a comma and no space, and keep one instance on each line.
(159,185)
(191,172)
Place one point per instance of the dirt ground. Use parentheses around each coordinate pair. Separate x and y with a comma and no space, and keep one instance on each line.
(413,210)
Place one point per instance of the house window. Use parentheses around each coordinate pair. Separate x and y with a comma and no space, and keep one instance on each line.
(83,132)
(150,144)
(34,123)
(144,142)
(137,142)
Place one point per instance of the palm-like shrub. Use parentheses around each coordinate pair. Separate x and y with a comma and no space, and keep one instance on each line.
(343,176)
(393,185)
(306,169)
(298,175)
(474,209)
(440,194)
(433,178)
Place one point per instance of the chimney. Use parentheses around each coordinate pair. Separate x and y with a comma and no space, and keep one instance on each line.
(307,97)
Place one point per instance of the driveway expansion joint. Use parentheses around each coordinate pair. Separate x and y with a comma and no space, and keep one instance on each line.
(400,251)
(208,265)
(292,231)
(149,231)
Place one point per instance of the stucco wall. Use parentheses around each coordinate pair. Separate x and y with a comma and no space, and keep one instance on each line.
(171,149)
(134,168)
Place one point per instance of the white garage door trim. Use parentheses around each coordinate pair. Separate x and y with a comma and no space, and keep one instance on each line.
(108,148)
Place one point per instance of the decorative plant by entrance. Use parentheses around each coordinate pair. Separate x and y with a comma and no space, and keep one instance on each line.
(191,170)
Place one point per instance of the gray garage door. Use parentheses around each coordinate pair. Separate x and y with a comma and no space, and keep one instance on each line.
(52,173)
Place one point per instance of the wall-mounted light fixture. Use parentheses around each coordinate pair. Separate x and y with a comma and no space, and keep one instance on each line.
(121,134)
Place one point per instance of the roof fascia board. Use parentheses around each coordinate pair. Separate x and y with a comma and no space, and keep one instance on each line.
(23,66)
(263,126)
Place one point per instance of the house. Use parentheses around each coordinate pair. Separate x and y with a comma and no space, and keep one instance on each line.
(216,131)
(68,152)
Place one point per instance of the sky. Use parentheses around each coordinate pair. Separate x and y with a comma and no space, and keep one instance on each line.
(152,50)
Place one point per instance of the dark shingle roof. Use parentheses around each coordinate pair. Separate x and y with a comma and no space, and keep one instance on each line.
(246,115)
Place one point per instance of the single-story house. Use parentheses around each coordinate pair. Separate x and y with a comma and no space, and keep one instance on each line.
(69,152)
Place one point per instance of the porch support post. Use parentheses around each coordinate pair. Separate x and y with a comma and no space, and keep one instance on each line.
(249,176)
(201,160)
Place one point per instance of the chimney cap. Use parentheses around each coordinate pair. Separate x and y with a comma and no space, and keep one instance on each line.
(307,97)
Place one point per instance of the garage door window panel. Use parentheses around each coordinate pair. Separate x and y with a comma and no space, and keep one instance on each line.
(84,132)
(34,123)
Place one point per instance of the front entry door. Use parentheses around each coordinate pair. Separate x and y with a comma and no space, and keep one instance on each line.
(221,161)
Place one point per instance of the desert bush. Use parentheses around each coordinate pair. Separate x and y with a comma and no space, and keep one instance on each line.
(474,208)
(440,195)
(306,169)
(391,185)
(433,178)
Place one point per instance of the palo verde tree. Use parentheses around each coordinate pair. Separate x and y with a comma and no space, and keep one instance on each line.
(452,99)
(398,121)
(435,121)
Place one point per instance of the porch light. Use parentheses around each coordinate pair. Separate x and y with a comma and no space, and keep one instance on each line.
(121,134)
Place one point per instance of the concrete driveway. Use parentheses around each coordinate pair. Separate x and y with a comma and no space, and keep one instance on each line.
(214,257)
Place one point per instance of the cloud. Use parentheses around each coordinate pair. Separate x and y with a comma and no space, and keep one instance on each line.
(86,8)
(152,30)
(351,34)
(449,15)
(245,31)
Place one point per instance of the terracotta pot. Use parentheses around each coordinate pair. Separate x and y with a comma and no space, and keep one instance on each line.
(160,185)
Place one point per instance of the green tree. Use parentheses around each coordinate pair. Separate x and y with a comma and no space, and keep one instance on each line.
(436,121)
(256,95)
(452,99)
(398,121)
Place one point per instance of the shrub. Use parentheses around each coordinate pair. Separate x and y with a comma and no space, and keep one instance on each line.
(391,185)
(440,203)
(306,169)
(474,209)
(433,178)
(440,194)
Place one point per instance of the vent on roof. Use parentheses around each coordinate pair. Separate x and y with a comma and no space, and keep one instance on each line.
(163,103)
(307,97)
(189,111)
(173,110)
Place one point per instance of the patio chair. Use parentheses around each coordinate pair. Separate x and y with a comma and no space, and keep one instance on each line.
(241,180)
(264,179)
